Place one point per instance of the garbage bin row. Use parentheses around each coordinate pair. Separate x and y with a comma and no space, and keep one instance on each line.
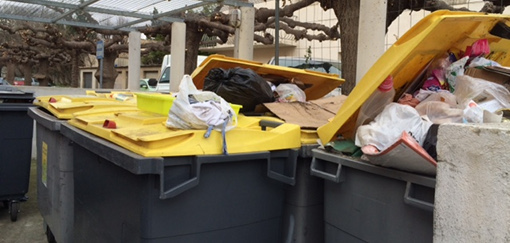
(97,183)
(122,175)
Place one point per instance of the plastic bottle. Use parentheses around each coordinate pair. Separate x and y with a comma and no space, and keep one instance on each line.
(382,96)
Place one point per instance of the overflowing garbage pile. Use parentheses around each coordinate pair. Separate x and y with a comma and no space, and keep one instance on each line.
(453,89)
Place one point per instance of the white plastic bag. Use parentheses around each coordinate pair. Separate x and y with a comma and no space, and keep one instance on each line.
(468,89)
(454,70)
(288,92)
(440,112)
(193,109)
(387,127)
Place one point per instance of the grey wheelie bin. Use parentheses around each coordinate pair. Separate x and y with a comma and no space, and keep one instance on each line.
(145,184)
(390,196)
(54,176)
(55,184)
(16,130)
(370,203)
(303,214)
(304,203)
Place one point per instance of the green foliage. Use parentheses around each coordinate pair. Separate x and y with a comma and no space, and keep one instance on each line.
(154,57)
(308,56)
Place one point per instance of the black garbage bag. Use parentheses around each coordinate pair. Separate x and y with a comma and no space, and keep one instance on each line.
(239,86)
(430,142)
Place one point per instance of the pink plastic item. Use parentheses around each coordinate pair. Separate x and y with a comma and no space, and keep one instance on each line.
(387,85)
(479,48)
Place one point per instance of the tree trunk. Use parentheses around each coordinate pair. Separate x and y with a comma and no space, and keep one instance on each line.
(348,15)
(109,71)
(43,72)
(11,69)
(75,69)
(27,73)
(193,39)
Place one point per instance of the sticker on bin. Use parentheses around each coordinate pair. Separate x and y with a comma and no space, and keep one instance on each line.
(145,133)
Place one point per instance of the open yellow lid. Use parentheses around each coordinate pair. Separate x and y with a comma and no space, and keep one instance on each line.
(435,35)
(318,84)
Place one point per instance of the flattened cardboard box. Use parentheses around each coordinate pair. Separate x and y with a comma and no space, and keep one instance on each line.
(499,75)
(312,114)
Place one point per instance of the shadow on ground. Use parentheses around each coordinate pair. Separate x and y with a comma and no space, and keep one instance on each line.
(29,226)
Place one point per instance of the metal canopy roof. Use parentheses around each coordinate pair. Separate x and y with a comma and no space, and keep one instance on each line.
(126,15)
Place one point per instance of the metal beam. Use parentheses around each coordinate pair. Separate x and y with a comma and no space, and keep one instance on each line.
(85,4)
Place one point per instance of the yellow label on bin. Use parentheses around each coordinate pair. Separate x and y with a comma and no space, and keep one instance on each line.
(44,163)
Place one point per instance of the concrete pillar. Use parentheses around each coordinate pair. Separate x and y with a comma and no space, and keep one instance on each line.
(372,25)
(472,197)
(178,48)
(244,46)
(134,61)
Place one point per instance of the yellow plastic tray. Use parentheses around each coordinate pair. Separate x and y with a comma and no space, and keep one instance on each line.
(63,106)
(318,84)
(433,36)
(145,133)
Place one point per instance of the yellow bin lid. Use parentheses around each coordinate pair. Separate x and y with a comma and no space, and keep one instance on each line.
(145,133)
(318,84)
(63,106)
(436,34)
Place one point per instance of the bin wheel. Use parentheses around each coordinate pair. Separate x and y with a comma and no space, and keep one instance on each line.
(13,210)
(49,235)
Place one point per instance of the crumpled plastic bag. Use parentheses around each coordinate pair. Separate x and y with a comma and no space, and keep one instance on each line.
(483,62)
(387,127)
(440,112)
(470,89)
(288,92)
(454,70)
(193,109)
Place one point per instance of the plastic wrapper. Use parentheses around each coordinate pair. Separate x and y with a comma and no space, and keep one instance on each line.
(193,109)
(388,126)
(290,92)
(488,95)
(440,112)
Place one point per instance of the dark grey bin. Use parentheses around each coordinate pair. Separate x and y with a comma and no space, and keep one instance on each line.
(304,203)
(121,196)
(368,203)
(55,185)
(16,129)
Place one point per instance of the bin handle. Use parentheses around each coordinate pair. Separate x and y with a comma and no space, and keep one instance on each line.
(290,165)
(165,193)
(314,170)
(265,123)
(416,202)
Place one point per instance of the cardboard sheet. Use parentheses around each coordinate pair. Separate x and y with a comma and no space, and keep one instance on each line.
(406,154)
(331,104)
(312,114)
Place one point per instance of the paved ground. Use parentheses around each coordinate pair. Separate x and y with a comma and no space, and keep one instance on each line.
(29,226)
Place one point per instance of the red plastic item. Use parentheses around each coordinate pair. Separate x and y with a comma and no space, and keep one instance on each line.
(109,124)
(52,100)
